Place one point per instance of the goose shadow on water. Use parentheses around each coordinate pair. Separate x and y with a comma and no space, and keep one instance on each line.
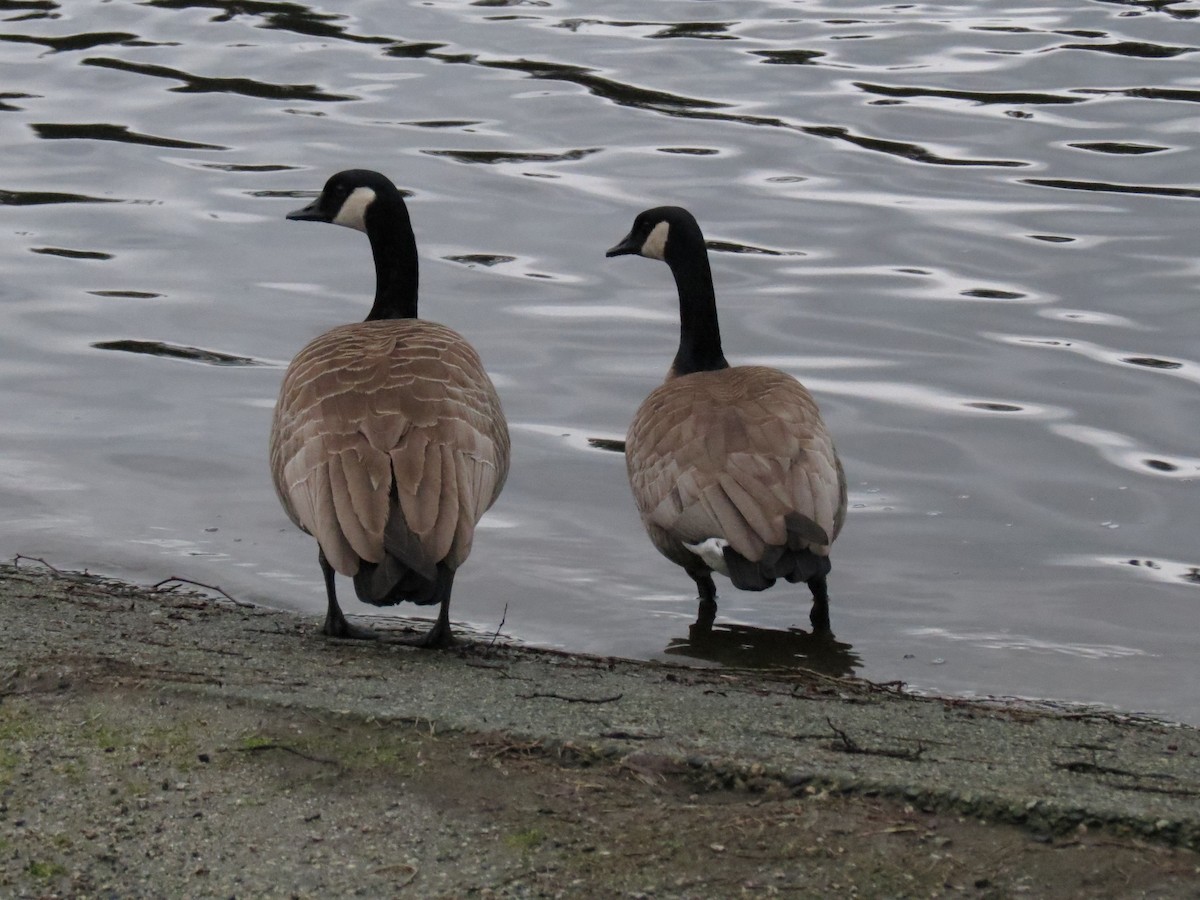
(750,647)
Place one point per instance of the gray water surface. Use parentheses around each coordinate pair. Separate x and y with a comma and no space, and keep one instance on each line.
(968,228)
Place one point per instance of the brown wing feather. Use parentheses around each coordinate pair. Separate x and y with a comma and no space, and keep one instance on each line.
(388,437)
(741,454)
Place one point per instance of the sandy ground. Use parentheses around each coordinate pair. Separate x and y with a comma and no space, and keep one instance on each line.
(158,743)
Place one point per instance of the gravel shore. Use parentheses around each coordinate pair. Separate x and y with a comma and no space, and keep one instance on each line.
(161,743)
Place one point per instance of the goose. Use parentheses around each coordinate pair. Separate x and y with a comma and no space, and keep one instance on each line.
(732,467)
(388,442)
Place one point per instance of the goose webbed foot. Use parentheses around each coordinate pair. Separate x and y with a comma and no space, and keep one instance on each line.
(439,637)
(436,638)
(338,627)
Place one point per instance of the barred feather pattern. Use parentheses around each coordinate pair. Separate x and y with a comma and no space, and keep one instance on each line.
(388,444)
(739,454)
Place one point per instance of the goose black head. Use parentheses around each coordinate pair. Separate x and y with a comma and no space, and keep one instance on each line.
(664,233)
(348,198)
(671,234)
(368,202)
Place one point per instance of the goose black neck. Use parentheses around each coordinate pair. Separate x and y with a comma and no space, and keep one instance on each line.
(699,333)
(395,250)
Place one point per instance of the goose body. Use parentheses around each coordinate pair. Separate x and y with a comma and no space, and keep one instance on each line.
(732,468)
(388,441)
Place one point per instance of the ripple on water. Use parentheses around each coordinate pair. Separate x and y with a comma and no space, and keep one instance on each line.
(797,57)
(66,253)
(480,259)
(1124,148)
(900,206)
(929,398)
(980,97)
(1023,644)
(500,264)
(177,351)
(1090,317)
(736,247)
(573,436)
(199,84)
(938,285)
(1128,452)
(689,151)
(1102,187)
(42,198)
(1185,369)
(1162,570)
(501,157)
(241,168)
(126,295)
(101,131)
(599,311)
(1136,49)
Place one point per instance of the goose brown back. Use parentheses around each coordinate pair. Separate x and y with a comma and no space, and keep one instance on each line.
(741,453)
(389,439)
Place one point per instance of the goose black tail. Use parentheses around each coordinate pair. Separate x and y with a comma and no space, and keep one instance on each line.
(777,562)
(391,582)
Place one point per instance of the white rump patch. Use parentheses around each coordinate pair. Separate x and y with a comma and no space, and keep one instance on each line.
(711,551)
(655,245)
(353,213)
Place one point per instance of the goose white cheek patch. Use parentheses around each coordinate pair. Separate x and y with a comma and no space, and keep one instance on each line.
(353,213)
(655,245)
(712,552)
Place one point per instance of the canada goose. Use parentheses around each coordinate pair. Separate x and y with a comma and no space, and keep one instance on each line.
(732,468)
(388,441)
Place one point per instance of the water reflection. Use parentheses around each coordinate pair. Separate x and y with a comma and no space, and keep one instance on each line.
(750,647)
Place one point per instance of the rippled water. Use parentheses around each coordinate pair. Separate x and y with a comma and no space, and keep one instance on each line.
(969,229)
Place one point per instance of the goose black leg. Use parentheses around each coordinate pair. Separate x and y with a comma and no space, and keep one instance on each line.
(335,622)
(439,636)
(706,613)
(819,615)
